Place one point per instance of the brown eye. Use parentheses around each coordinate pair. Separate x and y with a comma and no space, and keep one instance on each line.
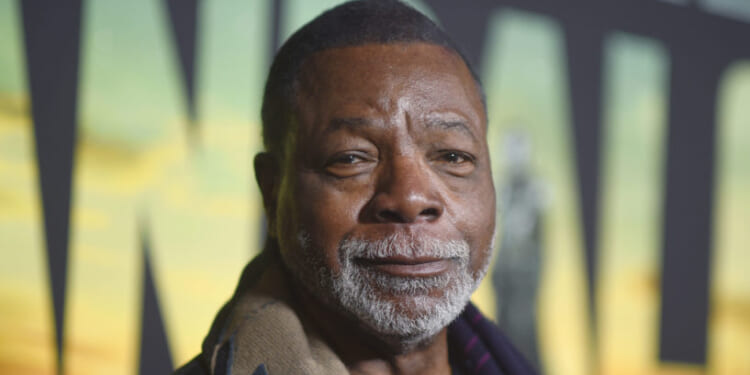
(349,164)
(454,157)
(348,159)
(456,163)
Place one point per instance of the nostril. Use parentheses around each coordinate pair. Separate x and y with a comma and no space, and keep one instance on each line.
(390,216)
(430,212)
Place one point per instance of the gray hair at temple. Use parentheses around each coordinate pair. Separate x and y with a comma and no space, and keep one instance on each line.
(350,24)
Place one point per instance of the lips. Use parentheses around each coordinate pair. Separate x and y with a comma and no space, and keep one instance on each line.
(402,266)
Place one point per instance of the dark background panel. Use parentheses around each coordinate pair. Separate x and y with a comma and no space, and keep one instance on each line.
(52,39)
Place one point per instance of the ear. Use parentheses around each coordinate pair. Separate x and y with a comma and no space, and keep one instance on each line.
(268,176)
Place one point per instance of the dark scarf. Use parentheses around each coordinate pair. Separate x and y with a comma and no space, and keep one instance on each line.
(478,347)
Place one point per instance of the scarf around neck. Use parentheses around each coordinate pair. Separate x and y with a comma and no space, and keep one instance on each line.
(259,331)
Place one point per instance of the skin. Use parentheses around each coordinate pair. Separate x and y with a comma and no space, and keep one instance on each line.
(388,138)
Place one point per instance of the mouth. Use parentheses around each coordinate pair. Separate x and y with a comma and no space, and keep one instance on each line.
(401,266)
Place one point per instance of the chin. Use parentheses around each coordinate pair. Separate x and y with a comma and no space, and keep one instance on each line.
(403,312)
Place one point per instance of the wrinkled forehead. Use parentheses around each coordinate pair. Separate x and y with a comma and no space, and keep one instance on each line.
(382,59)
(375,54)
(381,72)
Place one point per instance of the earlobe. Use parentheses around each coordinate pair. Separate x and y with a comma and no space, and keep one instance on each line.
(267,177)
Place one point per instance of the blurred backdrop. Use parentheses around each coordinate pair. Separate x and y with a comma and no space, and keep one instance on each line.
(620,133)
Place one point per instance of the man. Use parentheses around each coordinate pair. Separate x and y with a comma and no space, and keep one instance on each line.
(381,209)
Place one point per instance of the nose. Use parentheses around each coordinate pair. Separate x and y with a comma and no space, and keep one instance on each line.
(406,192)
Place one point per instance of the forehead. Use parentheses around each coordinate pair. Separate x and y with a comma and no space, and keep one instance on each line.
(397,55)
(380,77)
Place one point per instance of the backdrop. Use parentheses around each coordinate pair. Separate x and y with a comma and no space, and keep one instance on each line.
(620,133)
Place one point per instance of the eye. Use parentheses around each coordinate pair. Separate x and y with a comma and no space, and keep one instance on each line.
(455,162)
(347,159)
(455,157)
(348,164)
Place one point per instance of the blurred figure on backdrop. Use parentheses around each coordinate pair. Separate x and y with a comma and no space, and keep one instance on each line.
(517,270)
(378,192)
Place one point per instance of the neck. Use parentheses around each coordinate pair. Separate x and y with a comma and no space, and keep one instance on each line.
(364,352)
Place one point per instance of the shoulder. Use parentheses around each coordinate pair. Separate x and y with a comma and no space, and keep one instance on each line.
(197,367)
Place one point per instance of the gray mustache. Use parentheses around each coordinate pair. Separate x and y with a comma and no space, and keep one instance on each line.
(403,245)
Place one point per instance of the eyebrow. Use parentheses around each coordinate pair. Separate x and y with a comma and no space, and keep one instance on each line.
(451,125)
(347,122)
(357,122)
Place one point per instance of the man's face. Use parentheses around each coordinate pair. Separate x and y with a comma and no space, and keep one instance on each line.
(386,208)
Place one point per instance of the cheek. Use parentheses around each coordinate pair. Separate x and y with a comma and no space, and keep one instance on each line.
(483,247)
(327,213)
(478,224)
(285,225)
(323,204)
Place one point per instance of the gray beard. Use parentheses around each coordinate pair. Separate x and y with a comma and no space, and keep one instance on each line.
(423,305)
